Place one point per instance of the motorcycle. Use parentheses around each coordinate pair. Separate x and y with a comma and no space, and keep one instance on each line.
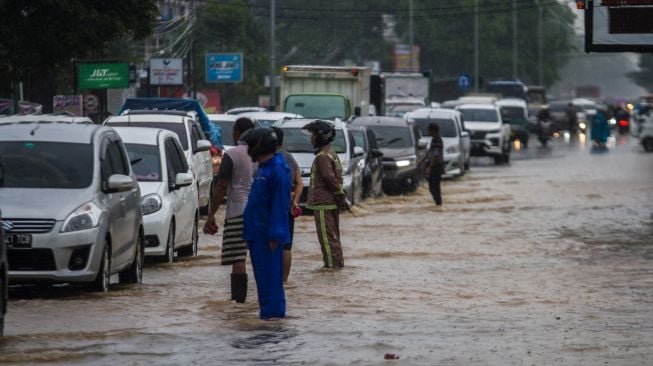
(544,131)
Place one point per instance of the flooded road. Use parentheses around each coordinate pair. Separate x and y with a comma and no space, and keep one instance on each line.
(547,261)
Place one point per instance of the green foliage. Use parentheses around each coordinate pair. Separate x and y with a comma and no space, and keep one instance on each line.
(39,37)
(232,27)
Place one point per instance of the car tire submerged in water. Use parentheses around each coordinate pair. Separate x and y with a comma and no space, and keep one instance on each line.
(169,256)
(191,250)
(134,273)
(101,282)
(648,144)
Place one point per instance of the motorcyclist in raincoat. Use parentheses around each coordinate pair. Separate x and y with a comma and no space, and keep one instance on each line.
(600,129)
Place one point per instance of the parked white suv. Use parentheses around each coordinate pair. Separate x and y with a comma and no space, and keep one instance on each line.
(456,141)
(646,134)
(70,204)
(168,196)
(489,134)
(196,146)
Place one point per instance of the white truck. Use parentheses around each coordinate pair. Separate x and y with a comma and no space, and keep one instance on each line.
(325,92)
(404,92)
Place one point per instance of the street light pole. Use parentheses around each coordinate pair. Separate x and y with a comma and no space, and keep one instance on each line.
(514,40)
(273,60)
(540,43)
(476,55)
(410,26)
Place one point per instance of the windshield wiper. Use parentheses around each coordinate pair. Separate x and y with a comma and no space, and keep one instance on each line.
(394,140)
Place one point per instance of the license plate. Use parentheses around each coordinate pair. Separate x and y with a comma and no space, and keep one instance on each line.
(15,241)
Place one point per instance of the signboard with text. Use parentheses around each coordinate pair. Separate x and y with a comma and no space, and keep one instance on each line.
(68,103)
(103,75)
(224,67)
(166,71)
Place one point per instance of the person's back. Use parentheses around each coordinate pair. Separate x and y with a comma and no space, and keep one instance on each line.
(241,180)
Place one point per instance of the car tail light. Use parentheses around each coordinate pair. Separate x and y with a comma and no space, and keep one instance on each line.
(623,123)
(215,150)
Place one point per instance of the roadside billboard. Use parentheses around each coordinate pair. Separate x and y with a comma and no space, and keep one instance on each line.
(402,58)
(103,75)
(166,71)
(224,67)
(68,103)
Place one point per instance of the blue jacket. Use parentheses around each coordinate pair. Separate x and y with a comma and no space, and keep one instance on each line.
(268,205)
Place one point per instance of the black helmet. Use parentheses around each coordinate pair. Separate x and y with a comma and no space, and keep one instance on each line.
(261,141)
(324,131)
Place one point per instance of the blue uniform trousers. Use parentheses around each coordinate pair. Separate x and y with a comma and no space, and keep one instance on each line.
(268,271)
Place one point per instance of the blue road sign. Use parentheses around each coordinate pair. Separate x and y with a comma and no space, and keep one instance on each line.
(464,81)
(224,67)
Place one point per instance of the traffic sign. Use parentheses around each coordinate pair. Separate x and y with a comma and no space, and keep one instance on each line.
(464,81)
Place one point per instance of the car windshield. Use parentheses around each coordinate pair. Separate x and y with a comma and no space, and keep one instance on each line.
(447,126)
(480,115)
(145,162)
(318,106)
(26,164)
(297,140)
(227,131)
(177,128)
(266,122)
(359,138)
(392,136)
(513,113)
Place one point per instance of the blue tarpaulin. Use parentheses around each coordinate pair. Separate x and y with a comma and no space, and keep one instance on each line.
(213,131)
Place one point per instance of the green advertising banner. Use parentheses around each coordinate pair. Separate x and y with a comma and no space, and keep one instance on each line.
(103,76)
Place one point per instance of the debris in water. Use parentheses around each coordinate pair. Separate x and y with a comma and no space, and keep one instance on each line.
(391,356)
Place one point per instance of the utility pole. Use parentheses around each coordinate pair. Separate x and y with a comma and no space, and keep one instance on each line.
(514,40)
(476,76)
(410,27)
(273,67)
(540,44)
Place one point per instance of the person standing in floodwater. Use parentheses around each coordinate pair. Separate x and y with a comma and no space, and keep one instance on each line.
(326,195)
(266,226)
(436,163)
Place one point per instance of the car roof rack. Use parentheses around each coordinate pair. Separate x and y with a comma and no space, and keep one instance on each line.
(155,111)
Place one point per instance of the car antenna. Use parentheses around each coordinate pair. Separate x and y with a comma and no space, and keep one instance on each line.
(34,129)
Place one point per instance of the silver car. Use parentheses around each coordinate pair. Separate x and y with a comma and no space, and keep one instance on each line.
(70,203)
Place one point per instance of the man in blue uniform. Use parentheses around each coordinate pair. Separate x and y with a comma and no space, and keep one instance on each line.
(266,226)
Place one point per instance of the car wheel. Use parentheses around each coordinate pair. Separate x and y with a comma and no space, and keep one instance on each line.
(191,250)
(169,256)
(134,273)
(101,283)
(648,144)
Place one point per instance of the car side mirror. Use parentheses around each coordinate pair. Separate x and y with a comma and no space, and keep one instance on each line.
(357,111)
(358,151)
(422,145)
(181,180)
(202,145)
(464,134)
(119,183)
(377,153)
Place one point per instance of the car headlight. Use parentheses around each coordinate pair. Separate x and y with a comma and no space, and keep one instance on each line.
(452,149)
(85,217)
(150,204)
(402,163)
(582,125)
(493,131)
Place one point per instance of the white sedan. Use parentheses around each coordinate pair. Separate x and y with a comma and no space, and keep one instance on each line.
(169,202)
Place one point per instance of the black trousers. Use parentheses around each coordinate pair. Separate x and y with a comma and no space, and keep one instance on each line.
(434,186)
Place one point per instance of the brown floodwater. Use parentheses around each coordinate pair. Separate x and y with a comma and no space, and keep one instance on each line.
(547,261)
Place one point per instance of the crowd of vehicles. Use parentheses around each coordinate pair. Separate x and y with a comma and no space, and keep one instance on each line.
(82,202)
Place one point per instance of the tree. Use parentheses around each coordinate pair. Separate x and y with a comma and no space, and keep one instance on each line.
(38,39)
(232,27)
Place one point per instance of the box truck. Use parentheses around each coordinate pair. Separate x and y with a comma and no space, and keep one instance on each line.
(325,92)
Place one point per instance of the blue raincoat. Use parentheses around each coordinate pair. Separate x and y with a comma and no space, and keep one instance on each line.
(265,220)
(600,130)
